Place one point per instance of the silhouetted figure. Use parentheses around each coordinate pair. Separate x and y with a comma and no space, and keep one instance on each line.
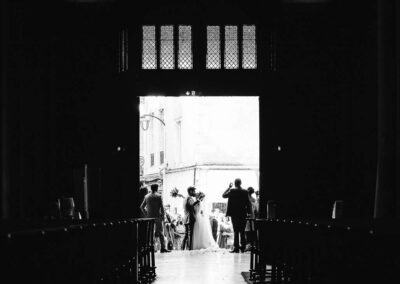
(249,233)
(214,226)
(169,229)
(152,206)
(189,205)
(238,207)
(257,204)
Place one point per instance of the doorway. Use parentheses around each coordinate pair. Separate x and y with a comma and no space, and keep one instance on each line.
(201,141)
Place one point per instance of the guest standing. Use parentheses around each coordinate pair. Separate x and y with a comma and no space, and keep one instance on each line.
(257,204)
(250,231)
(238,207)
(168,229)
(225,232)
(152,207)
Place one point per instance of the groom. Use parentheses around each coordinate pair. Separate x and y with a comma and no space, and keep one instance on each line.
(189,205)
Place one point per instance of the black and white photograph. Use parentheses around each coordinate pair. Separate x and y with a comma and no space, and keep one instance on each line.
(199,141)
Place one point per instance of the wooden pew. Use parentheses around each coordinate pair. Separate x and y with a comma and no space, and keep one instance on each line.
(103,251)
(326,251)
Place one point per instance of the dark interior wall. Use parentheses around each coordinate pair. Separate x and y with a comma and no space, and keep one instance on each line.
(66,105)
(326,112)
(317,79)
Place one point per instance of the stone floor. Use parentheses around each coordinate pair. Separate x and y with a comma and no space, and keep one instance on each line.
(198,267)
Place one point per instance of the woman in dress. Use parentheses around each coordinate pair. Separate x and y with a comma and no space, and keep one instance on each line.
(202,235)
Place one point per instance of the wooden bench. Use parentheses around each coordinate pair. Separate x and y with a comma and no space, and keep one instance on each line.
(325,251)
(102,251)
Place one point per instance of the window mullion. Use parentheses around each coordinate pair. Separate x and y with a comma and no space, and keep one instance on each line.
(175,39)
(222,46)
(158,46)
(240,45)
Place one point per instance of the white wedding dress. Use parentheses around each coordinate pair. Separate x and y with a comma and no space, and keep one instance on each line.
(202,235)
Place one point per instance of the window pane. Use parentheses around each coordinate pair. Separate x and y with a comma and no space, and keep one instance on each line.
(167,47)
(161,157)
(249,48)
(213,48)
(185,47)
(231,48)
(149,55)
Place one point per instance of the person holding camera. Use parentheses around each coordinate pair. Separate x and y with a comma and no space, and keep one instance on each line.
(238,208)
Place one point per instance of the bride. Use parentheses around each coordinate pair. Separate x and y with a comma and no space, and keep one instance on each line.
(202,236)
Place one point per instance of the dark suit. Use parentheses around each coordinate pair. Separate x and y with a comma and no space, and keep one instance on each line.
(189,219)
(154,207)
(238,207)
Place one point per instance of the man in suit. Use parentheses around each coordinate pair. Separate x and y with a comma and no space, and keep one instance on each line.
(238,208)
(152,207)
(189,207)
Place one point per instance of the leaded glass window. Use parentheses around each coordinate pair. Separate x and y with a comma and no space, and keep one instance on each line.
(249,59)
(231,59)
(167,58)
(223,47)
(149,55)
(213,47)
(185,56)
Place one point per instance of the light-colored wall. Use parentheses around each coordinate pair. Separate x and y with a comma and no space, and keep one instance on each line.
(152,144)
(214,131)
(227,130)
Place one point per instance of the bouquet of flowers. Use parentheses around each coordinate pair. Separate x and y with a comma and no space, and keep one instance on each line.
(200,195)
(175,193)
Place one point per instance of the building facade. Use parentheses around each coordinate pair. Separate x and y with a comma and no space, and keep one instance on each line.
(199,140)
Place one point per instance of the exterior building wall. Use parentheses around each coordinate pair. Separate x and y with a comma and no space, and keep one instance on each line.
(208,142)
(228,129)
(154,136)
